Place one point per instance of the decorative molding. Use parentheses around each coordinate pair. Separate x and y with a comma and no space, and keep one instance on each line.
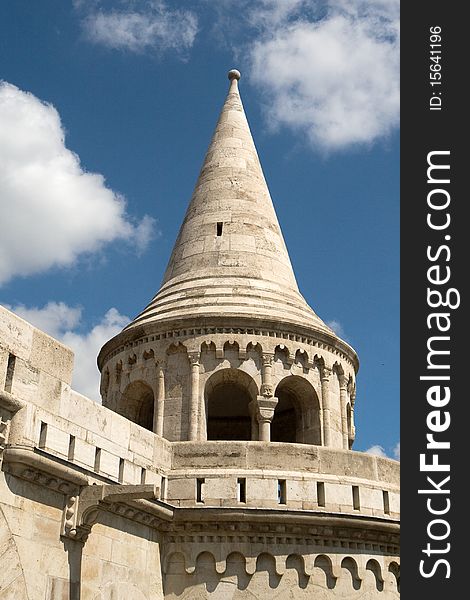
(10,402)
(190,332)
(81,510)
(267,390)
(336,566)
(27,463)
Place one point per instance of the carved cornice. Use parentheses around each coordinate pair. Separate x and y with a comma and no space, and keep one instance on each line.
(317,339)
(10,402)
(27,463)
(306,530)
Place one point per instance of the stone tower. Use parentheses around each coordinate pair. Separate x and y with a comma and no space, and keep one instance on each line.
(219,465)
(228,349)
(231,364)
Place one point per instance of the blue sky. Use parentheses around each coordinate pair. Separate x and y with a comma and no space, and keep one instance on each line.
(106,111)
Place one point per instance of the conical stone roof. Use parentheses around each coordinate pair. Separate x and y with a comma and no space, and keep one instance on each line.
(230,258)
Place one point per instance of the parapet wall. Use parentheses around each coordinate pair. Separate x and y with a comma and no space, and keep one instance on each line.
(278,475)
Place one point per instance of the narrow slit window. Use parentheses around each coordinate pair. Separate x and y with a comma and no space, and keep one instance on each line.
(163,489)
(355,494)
(241,490)
(220,226)
(143,475)
(281,491)
(43,435)
(386,502)
(10,371)
(321,493)
(199,489)
(71,453)
(121,470)
(97,460)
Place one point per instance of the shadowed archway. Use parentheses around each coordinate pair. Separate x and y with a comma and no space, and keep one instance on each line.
(297,414)
(228,394)
(137,404)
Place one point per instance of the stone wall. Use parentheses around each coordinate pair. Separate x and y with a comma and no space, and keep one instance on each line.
(96,507)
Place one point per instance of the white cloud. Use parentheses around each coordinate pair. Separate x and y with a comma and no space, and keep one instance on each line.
(334,76)
(380,451)
(54,318)
(377,451)
(52,209)
(337,328)
(86,378)
(396,451)
(62,322)
(142,26)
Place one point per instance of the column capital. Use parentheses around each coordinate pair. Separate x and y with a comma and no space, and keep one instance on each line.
(265,408)
(268,360)
(267,390)
(325,372)
(194,358)
(343,382)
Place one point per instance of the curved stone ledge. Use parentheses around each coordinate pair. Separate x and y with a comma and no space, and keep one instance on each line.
(296,477)
(278,456)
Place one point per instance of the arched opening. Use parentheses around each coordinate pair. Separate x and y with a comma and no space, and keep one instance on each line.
(297,414)
(137,404)
(228,393)
(284,424)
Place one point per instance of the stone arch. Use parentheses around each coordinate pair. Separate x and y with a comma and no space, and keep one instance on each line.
(338,369)
(394,569)
(301,358)
(323,562)
(232,353)
(297,562)
(228,393)
(373,566)
(266,562)
(175,562)
(236,567)
(297,414)
(282,354)
(254,347)
(205,561)
(136,403)
(350,565)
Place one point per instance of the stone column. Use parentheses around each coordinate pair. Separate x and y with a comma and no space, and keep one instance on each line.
(266,407)
(159,407)
(266,403)
(352,433)
(194,399)
(343,397)
(325,375)
(267,375)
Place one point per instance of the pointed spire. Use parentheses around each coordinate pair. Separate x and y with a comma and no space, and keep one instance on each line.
(230,258)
